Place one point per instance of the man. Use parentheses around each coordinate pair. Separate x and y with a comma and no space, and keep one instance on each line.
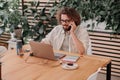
(68,36)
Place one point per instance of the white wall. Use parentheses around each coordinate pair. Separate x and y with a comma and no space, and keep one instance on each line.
(100,26)
(97,27)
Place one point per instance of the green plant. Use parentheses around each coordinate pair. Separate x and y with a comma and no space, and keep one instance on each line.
(100,10)
(10,16)
(41,21)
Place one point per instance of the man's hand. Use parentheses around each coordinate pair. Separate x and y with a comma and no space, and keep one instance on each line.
(73,26)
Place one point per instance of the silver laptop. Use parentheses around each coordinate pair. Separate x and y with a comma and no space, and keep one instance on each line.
(43,50)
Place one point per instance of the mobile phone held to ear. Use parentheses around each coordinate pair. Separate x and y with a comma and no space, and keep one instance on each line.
(68,28)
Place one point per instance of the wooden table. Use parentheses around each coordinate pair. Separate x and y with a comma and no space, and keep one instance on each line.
(15,67)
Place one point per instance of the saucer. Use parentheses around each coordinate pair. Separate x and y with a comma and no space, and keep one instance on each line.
(69,67)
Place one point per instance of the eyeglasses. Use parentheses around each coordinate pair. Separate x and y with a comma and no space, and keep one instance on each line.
(66,21)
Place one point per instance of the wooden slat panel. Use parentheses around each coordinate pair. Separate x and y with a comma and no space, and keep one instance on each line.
(4,37)
(116,68)
(106,50)
(114,58)
(107,44)
(105,38)
(116,63)
(104,34)
(43,3)
(113,69)
(114,74)
(107,54)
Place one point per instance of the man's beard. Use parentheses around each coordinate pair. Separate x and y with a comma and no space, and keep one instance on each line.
(66,28)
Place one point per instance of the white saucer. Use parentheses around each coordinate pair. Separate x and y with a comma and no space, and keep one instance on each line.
(69,67)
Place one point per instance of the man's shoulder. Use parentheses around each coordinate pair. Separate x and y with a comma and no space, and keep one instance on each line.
(58,27)
(82,28)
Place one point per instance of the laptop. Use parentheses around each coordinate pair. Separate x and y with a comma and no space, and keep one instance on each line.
(43,50)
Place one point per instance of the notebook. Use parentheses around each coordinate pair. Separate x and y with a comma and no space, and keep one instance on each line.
(43,50)
(70,58)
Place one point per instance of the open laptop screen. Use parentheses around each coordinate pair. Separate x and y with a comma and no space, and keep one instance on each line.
(43,50)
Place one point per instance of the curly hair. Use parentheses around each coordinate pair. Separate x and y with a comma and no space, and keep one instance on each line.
(71,13)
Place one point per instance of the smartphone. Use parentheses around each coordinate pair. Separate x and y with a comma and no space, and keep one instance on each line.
(68,28)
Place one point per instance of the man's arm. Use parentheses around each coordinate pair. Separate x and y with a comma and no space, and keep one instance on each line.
(78,43)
